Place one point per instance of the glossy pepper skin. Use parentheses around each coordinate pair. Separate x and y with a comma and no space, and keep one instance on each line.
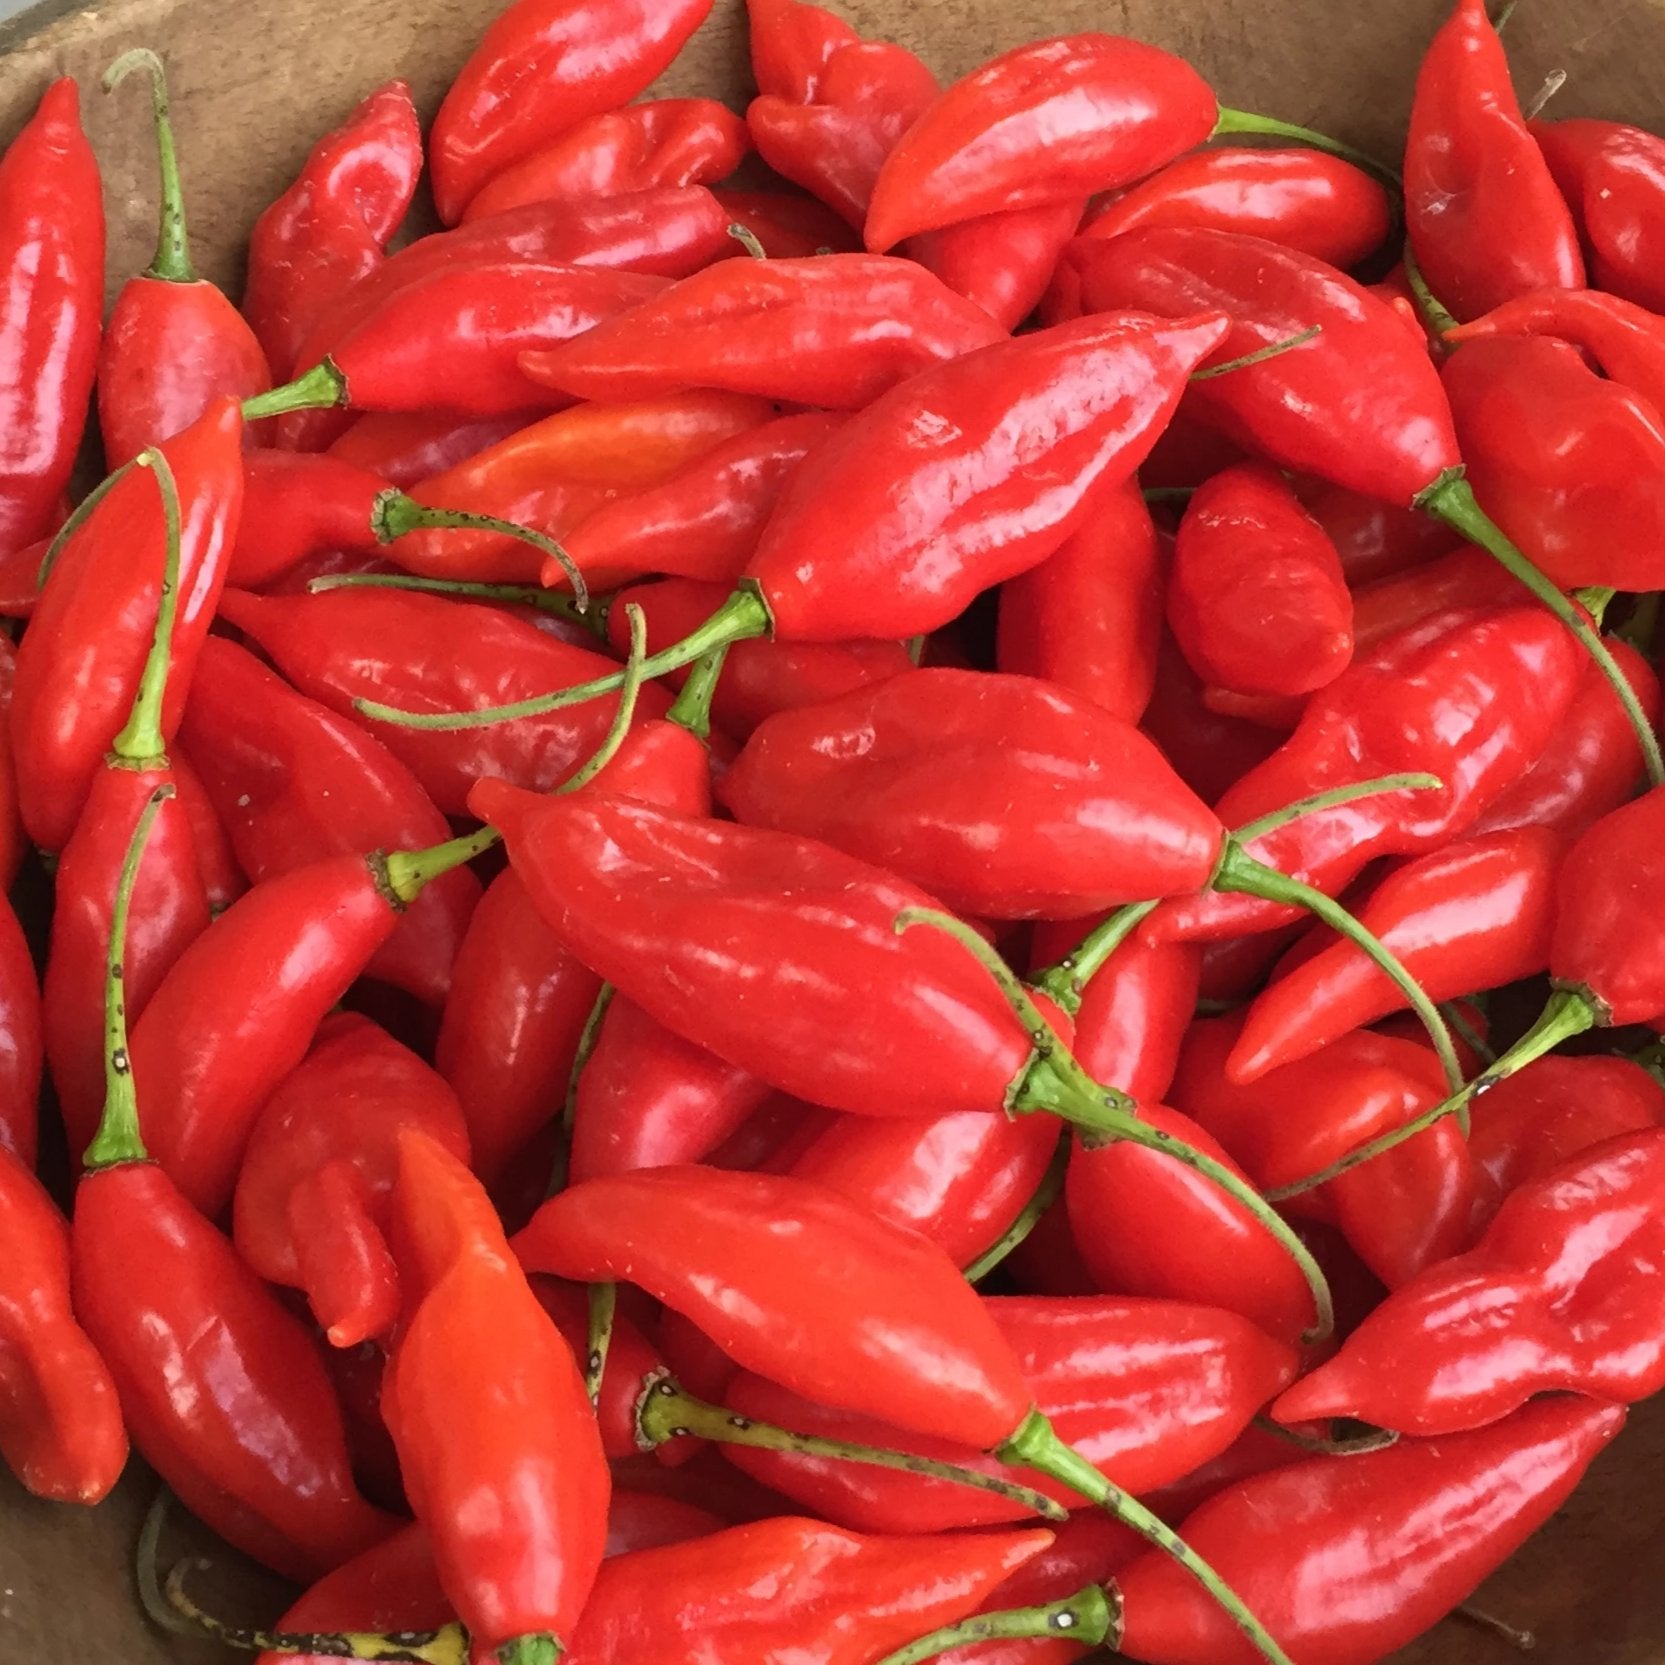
(836,330)
(927,498)
(913,773)
(294,783)
(1146,1390)
(667,141)
(1550,444)
(52,265)
(1303,199)
(1475,915)
(1437,1516)
(79,666)
(1043,123)
(516,1428)
(1486,219)
(310,1207)
(759,1262)
(61,1430)
(1555,1296)
(21,1040)
(330,227)
(1612,176)
(1089,617)
(850,1599)
(948,1042)
(1257,599)
(789,224)
(426,650)
(403,447)
(541,68)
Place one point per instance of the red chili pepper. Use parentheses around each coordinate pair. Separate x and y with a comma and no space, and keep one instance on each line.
(403,447)
(667,141)
(1089,617)
(222,878)
(836,330)
(223,1391)
(423,649)
(13,840)
(1613,179)
(61,1430)
(1346,1559)
(1557,1295)
(79,666)
(1467,577)
(515,1428)
(293,783)
(849,1598)
(327,231)
(1208,750)
(1485,217)
(787,224)
(175,345)
(541,68)
(1374,539)
(21,1042)
(1303,199)
(1474,915)
(310,1207)
(1146,1390)
(52,261)
(639,1520)
(959,1180)
(1257,599)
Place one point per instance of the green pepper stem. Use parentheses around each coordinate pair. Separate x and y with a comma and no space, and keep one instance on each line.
(1419,781)
(555,602)
(1355,1445)
(173,245)
(586,1047)
(747,239)
(691,708)
(141,740)
(1241,874)
(667,1412)
(1466,1032)
(397,515)
(323,387)
(118,1139)
(1595,599)
(1055,1082)
(79,516)
(743,616)
(1272,349)
(604,1306)
(1046,1194)
(540,1647)
(1246,121)
(1089,1618)
(1568,1012)
(1036,1445)
(1451,499)
(409,872)
(1435,315)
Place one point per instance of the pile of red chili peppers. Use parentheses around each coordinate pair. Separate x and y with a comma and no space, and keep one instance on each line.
(866,882)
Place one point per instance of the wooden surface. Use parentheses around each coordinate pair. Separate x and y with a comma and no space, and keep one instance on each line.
(255,81)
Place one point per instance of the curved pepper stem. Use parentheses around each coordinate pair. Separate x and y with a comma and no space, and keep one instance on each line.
(744,616)
(323,387)
(78,517)
(396,514)
(1353,1445)
(1017,1233)
(118,1139)
(1451,499)
(1246,121)
(604,1306)
(1435,314)
(173,244)
(555,602)
(1273,349)
(141,740)
(1055,1082)
(1568,1012)
(748,240)
(667,1412)
(691,709)
(1090,1618)
(1037,1445)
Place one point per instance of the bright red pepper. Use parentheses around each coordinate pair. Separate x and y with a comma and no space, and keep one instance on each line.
(1003,262)
(541,68)
(13,841)
(1557,1295)
(1089,617)
(61,1430)
(1257,599)
(787,224)
(1474,915)
(21,1041)
(1485,217)
(327,231)
(310,1207)
(294,783)
(642,147)
(223,880)
(403,447)
(52,275)
(1304,199)
(1208,750)
(79,666)
(515,1428)
(1374,539)
(175,345)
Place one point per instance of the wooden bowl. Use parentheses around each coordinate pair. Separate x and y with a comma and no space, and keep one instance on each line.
(254,82)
